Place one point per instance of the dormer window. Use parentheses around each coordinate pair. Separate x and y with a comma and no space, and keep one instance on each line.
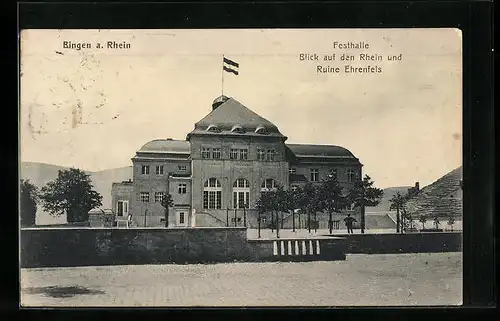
(237,129)
(213,129)
(261,130)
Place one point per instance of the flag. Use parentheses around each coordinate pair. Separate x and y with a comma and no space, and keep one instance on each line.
(231,66)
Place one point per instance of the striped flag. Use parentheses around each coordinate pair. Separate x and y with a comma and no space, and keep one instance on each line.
(231,66)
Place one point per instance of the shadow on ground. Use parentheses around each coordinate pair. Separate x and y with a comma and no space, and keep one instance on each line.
(63,291)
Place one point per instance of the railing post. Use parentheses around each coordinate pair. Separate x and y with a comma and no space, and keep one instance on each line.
(235,218)
(227,217)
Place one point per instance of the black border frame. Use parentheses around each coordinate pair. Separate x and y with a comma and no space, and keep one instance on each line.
(474,18)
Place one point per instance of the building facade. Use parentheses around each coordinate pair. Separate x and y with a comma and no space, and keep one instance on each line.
(216,175)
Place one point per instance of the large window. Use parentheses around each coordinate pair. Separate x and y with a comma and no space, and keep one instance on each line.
(182,188)
(144,197)
(159,169)
(241,193)
(271,154)
(205,152)
(233,154)
(351,175)
(244,154)
(159,196)
(261,154)
(145,169)
(182,168)
(314,174)
(216,153)
(292,170)
(212,194)
(268,185)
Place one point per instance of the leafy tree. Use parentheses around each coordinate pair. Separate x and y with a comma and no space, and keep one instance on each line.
(331,198)
(310,201)
(29,199)
(364,194)
(167,202)
(263,205)
(72,192)
(422,219)
(451,221)
(436,221)
(397,203)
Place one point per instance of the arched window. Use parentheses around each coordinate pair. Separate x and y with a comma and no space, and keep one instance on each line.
(237,129)
(213,128)
(261,130)
(268,185)
(212,194)
(241,193)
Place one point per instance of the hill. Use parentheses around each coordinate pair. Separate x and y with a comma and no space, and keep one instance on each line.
(388,194)
(40,174)
(441,198)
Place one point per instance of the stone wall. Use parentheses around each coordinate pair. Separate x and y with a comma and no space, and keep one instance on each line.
(45,247)
(404,243)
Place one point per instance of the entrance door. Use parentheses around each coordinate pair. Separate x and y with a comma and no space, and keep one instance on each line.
(122,209)
(181,218)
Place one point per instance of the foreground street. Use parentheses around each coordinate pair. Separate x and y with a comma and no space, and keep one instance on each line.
(402,279)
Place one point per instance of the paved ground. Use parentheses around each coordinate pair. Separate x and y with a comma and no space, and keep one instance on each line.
(402,279)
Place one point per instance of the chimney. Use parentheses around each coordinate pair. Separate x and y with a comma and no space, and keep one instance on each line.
(417,186)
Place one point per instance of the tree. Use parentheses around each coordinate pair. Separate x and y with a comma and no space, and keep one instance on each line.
(331,198)
(167,202)
(29,199)
(451,221)
(397,203)
(71,192)
(436,222)
(364,194)
(310,201)
(422,220)
(263,205)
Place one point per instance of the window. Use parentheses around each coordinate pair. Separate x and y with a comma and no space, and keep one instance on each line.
(144,196)
(314,174)
(292,170)
(351,175)
(261,130)
(181,218)
(233,154)
(213,129)
(145,169)
(182,168)
(268,185)
(122,208)
(216,153)
(159,196)
(333,173)
(212,194)
(261,154)
(182,188)
(237,129)
(241,193)
(294,187)
(159,169)
(243,153)
(205,152)
(270,154)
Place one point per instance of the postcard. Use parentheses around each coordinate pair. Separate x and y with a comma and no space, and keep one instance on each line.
(240,167)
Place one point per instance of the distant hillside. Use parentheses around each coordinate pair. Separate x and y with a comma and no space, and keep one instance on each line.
(388,194)
(40,174)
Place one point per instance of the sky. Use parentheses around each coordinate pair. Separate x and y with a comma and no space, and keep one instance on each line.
(94,108)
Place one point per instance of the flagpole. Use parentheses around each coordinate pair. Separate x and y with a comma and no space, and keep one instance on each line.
(222,75)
